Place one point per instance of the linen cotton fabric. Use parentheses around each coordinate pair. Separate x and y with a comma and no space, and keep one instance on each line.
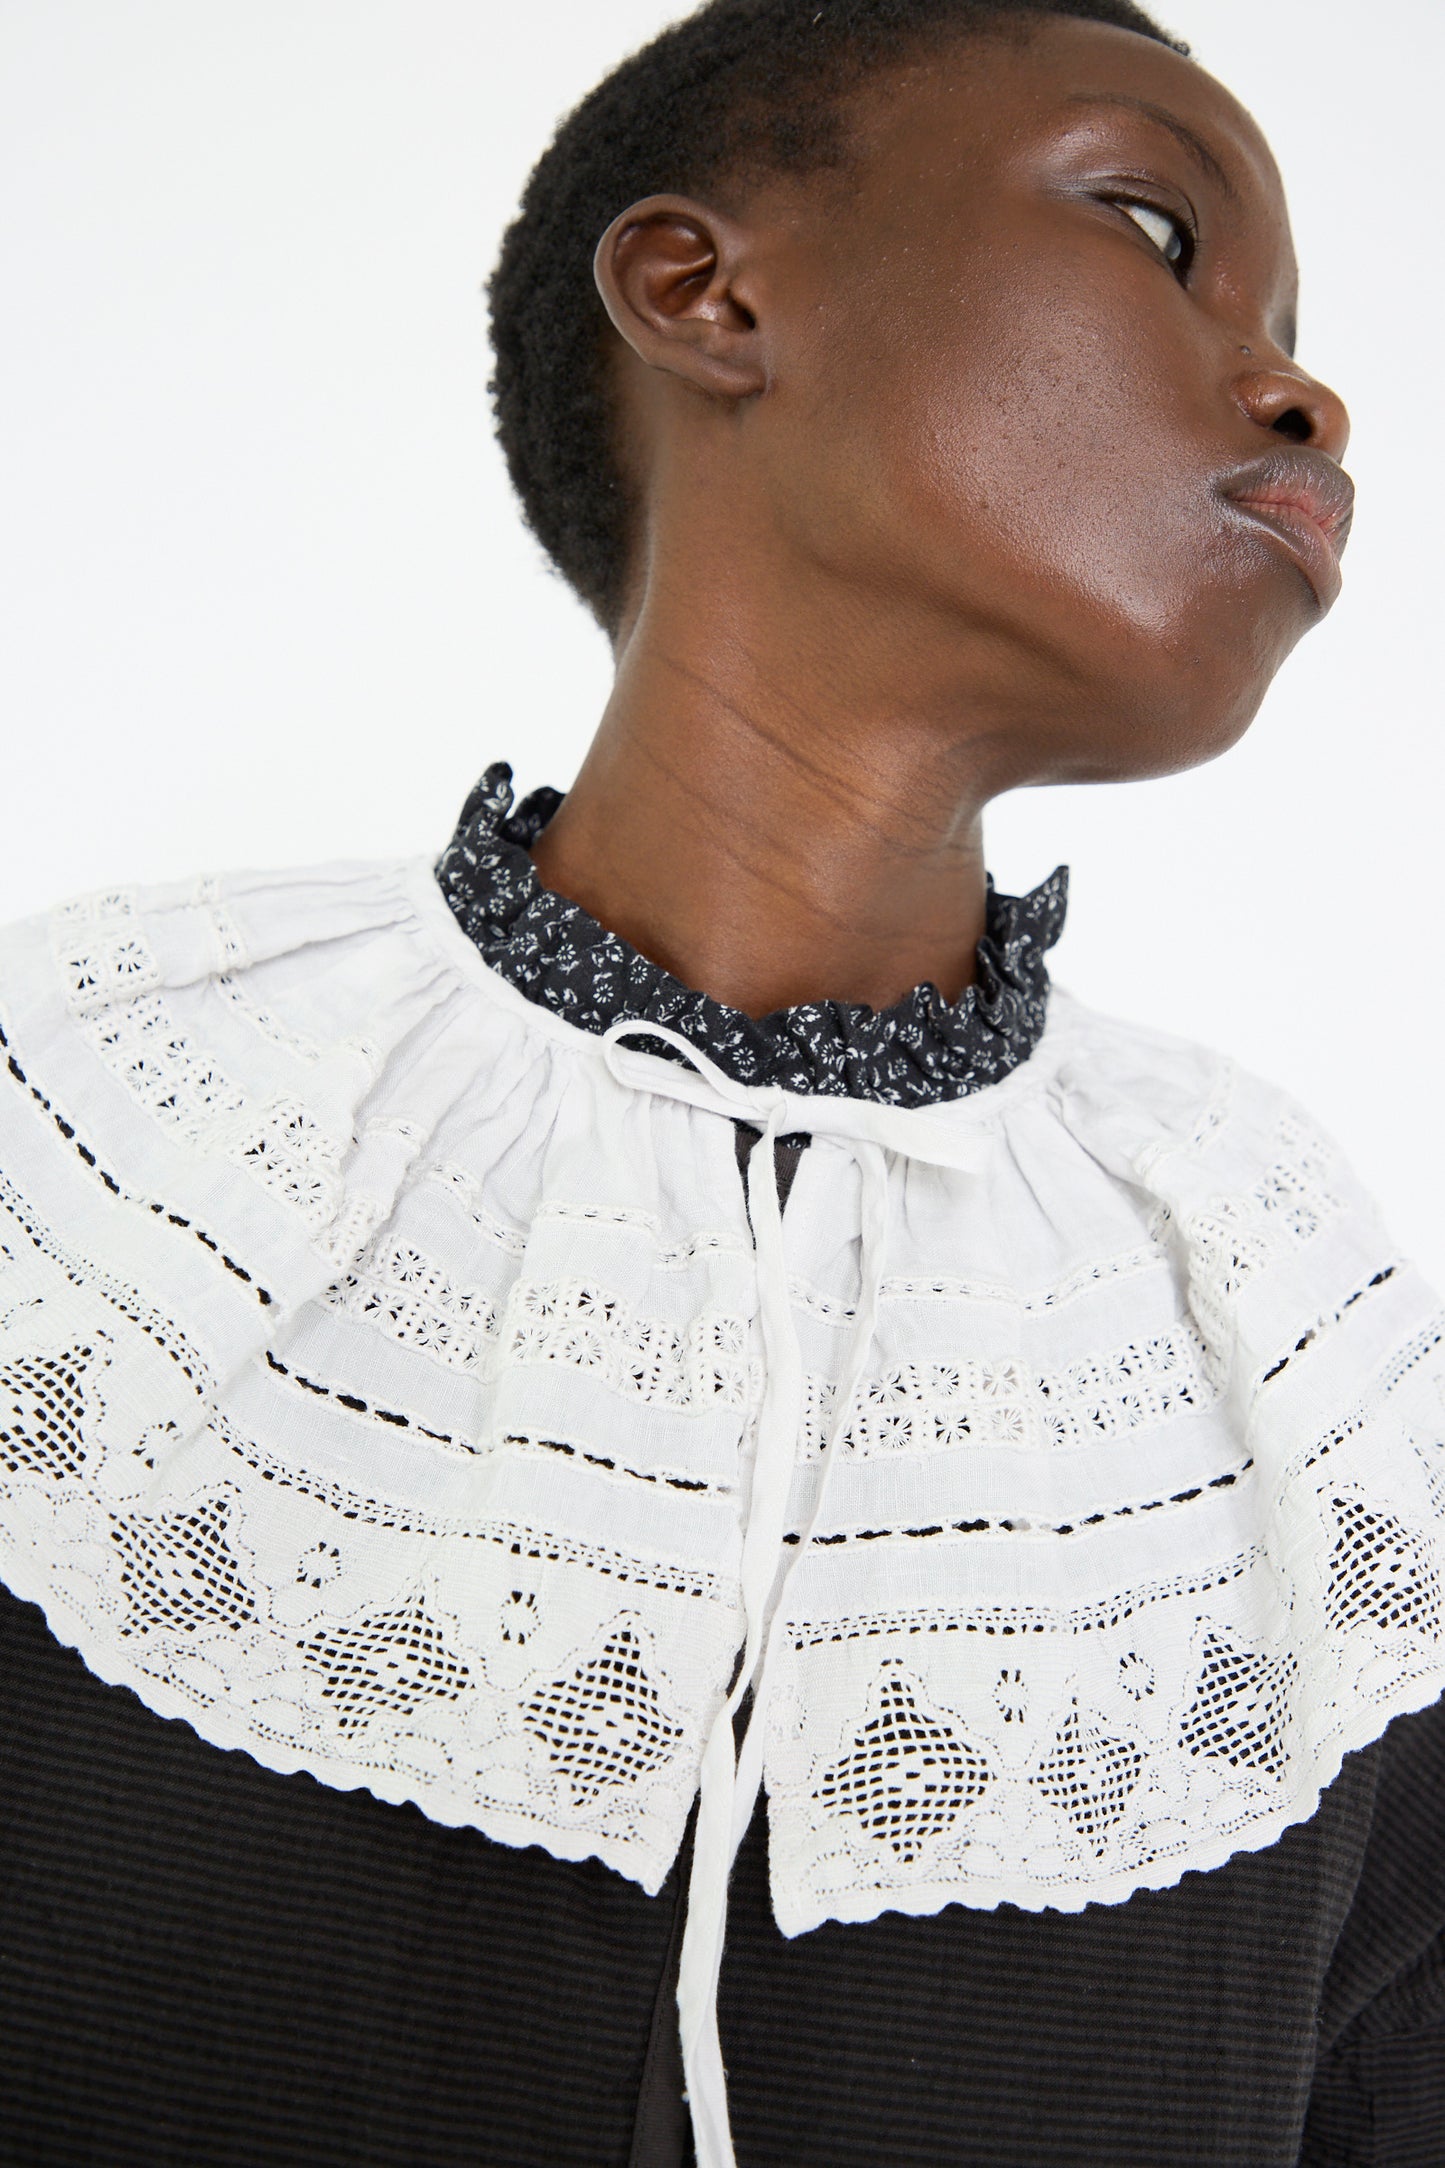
(384,1356)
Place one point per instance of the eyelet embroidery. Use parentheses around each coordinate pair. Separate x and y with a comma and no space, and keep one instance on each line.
(1179,1571)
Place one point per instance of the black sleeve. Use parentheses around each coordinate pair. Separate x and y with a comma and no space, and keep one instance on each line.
(1378,2099)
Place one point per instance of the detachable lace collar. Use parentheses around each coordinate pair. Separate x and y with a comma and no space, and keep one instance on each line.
(396,1385)
(920,1050)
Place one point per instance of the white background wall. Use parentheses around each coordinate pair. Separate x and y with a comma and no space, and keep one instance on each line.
(266,599)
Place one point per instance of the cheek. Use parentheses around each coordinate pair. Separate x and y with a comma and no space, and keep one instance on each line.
(1035,463)
(1056,450)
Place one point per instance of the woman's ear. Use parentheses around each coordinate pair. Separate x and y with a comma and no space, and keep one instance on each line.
(674,277)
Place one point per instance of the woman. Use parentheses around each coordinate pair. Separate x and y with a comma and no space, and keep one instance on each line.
(668,1305)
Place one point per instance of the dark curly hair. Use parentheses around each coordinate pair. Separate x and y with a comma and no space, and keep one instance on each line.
(740,89)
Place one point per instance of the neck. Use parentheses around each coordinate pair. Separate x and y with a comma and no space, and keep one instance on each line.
(772,833)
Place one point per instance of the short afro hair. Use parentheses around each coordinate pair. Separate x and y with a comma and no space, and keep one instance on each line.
(740,89)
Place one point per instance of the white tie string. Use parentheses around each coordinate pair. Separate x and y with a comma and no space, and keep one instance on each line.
(729,1783)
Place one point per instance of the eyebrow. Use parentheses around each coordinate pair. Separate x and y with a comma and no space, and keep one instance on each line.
(1196,146)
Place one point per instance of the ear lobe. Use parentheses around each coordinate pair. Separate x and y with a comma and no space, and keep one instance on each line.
(671,274)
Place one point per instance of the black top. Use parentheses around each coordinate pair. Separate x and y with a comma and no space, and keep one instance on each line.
(202,1962)
(205,1965)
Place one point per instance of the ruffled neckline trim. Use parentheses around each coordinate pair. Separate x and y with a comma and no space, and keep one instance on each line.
(920,1050)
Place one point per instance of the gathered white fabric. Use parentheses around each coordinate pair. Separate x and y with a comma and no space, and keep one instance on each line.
(396,1383)
(729,1786)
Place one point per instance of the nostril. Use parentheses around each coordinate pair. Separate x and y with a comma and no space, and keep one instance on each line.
(1295,424)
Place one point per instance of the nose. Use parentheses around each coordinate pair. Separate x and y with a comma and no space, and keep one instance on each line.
(1295,404)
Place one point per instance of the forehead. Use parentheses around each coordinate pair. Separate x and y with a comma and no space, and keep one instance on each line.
(1057,79)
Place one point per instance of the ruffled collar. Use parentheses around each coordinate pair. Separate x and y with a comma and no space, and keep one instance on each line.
(920,1050)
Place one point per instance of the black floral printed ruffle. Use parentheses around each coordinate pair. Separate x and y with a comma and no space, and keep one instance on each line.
(920,1050)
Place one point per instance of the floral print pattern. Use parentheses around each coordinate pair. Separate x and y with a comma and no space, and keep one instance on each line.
(920,1050)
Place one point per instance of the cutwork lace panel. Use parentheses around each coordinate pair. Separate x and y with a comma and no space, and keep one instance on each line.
(378,1376)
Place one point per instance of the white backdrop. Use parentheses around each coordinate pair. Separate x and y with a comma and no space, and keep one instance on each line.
(267,599)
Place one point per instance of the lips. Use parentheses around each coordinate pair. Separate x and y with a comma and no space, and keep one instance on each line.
(1306,501)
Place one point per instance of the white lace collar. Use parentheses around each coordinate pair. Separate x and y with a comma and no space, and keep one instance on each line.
(381,1364)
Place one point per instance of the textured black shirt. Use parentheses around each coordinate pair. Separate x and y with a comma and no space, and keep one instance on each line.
(204,1962)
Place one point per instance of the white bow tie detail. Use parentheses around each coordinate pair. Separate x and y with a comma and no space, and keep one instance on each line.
(730,1781)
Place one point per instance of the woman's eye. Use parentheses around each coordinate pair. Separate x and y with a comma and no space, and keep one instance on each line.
(1169,234)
